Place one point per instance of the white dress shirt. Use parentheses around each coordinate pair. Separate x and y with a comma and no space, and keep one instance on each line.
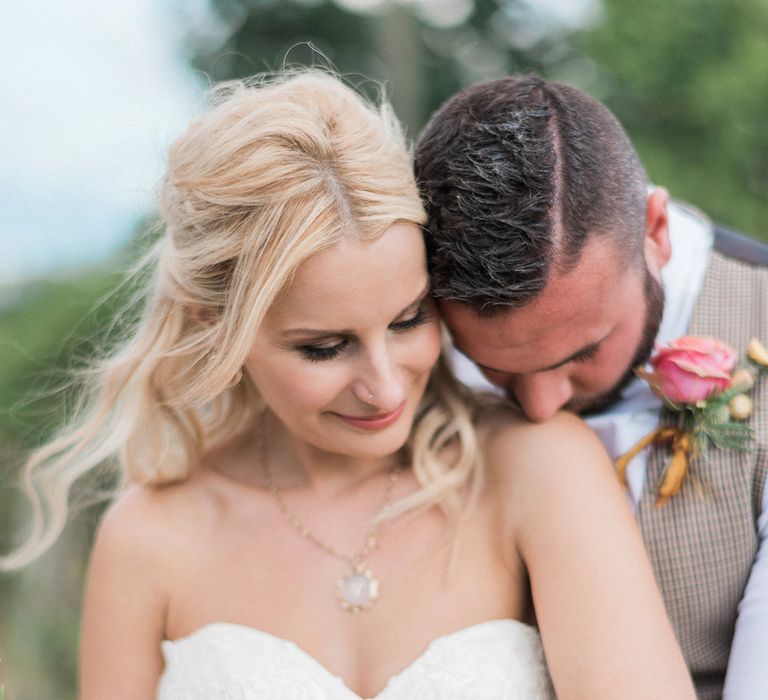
(637,414)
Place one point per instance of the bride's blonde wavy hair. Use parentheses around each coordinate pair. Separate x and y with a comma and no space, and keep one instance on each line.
(276,170)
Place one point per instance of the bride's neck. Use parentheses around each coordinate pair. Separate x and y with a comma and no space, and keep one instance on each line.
(294,464)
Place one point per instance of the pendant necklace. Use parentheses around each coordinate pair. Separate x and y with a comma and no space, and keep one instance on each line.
(359,589)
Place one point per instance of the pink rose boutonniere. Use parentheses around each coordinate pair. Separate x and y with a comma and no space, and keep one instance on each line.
(697,379)
(691,369)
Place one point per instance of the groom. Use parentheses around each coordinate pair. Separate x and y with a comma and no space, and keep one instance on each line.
(557,267)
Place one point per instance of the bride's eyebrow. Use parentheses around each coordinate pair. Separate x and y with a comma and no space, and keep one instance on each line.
(418,301)
(333,332)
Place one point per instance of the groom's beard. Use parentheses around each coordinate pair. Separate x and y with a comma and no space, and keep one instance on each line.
(654,310)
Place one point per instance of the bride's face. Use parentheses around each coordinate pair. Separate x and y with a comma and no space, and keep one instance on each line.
(344,354)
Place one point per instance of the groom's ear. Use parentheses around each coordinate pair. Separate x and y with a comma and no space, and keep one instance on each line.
(657,247)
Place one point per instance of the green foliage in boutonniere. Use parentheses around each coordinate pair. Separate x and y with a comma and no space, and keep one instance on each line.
(697,379)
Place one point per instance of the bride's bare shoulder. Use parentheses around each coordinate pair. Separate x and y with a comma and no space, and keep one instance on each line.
(499,424)
(517,451)
(153,519)
(175,510)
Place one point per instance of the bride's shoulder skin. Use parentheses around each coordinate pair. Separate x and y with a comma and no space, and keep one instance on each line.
(141,534)
(601,616)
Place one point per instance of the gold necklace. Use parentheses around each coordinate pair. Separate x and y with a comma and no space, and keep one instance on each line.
(359,590)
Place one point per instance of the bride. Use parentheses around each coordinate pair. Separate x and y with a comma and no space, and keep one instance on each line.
(310,506)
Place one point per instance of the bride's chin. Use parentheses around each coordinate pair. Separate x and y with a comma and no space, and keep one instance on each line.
(361,445)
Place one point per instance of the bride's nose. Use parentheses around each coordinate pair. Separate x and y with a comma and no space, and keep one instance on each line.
(379,384)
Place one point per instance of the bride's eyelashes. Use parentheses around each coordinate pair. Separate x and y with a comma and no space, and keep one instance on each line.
(318,353)
(421,316)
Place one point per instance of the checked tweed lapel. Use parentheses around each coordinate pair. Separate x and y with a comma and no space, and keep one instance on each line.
(703,542)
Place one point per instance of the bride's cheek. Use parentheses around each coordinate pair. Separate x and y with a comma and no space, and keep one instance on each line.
(427,348)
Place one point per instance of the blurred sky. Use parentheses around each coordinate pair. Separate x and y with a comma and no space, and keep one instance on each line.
(91,94)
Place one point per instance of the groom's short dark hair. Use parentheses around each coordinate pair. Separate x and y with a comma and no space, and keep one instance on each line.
(516,174)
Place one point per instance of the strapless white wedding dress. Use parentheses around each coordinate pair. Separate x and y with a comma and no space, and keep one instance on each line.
(495,660)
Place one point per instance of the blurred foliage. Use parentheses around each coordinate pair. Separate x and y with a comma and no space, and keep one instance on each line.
(688,79)
(53,327)
(420,58)
(35,356)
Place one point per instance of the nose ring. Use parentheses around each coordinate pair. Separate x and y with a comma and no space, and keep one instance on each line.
(363,393)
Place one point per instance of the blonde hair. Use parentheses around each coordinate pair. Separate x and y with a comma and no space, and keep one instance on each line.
(275,171)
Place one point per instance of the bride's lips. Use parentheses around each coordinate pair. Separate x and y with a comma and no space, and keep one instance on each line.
(374,422)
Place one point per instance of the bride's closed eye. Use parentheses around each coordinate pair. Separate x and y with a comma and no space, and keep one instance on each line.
(421,316)
(317,353)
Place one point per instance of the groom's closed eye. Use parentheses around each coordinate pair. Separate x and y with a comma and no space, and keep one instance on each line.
(585,354)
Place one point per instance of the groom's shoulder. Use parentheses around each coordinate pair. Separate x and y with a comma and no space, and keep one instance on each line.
(736,246)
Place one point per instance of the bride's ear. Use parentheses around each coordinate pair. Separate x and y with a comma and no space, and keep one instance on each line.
(202,315)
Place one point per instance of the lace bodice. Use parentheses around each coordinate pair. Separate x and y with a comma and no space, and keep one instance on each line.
(496,660)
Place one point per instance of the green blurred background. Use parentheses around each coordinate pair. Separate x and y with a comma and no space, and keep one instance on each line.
(688,79)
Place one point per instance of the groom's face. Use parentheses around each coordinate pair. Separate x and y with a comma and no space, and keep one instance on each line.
(576,345)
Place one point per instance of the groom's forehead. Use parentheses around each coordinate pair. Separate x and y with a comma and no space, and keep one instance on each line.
(545,338)
(576,293)
(573,313)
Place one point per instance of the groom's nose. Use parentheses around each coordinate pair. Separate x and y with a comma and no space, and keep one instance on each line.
(540,394)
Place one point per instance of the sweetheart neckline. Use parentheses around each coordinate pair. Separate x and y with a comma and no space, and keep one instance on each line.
(428,649)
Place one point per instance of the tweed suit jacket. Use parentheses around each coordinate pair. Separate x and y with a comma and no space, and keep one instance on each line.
(703,542)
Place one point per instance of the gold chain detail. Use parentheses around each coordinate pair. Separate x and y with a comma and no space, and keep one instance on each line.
(358,559)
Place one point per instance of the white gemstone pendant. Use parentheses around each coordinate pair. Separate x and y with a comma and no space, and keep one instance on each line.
(358,591)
